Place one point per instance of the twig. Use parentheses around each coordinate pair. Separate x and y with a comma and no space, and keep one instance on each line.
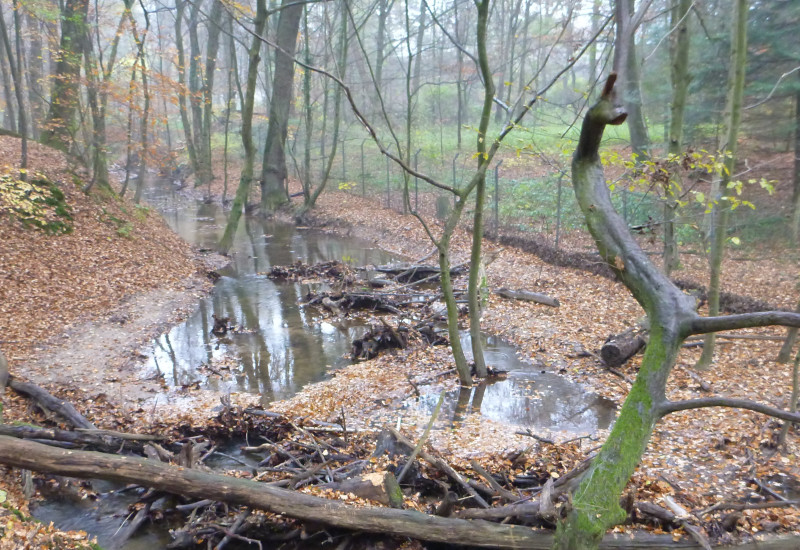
(499,489)
(529,433)
(229,535)
(443,466)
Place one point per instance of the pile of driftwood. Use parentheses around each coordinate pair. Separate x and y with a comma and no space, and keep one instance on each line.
(403,294)
(367,478)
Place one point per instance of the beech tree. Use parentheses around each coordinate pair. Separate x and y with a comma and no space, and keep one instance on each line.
(60,127)
(273,169)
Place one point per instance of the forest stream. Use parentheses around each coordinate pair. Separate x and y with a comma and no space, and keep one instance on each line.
(278,346)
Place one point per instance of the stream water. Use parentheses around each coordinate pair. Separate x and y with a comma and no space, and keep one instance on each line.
(279,347)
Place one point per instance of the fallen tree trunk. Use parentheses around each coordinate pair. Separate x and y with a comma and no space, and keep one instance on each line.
(528,296)
(99,440)
(620,347)
(194,483)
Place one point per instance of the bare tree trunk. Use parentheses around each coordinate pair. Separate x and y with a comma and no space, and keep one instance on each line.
(796,188)
(180,6)
(60,128)
(35,73)
(679,50)
(733,115)
(308,204)
(473,289)
(273,170)
(14,62)
(207,90)
(246,179)
(7,75)
(384,7)
(626,63)
(143,128)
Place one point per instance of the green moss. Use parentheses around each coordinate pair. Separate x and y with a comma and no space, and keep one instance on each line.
(596,501)
(38,203)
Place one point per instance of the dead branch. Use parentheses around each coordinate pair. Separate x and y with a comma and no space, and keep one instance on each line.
(704,325)
(675,406)
(528,296)
(441,465)
(50,403)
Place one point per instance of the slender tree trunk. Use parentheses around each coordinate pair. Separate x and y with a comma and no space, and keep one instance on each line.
(143,128)
(35,73)
(384,6)
(14,62)
(459,85)
(473,288)
(309,114)
(180,6)
(229,102)
(593,48)
(337,116)
(99,162)
(129,128)
(207,91)
(423,11)
(733,115)
(195,87)
(679,50)
(796,188)
(273,170)
(626,62)
(243,190)
(7,75)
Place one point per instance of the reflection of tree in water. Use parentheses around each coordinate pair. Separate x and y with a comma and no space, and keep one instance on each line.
(286,348)
(536,401)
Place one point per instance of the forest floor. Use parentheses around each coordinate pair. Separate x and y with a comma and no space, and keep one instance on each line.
(75,310)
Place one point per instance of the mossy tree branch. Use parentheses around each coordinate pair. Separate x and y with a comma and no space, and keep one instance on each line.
(672,317)
(689,404)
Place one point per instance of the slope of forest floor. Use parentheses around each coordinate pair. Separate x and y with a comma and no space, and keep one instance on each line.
(75,309)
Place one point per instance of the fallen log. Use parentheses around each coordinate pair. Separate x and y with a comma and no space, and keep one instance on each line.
(50,403)
(618,348)
(100,440)
(406,523)
(528,296)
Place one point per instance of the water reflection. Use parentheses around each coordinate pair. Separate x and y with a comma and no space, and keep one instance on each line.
(278,346)
(526,397)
